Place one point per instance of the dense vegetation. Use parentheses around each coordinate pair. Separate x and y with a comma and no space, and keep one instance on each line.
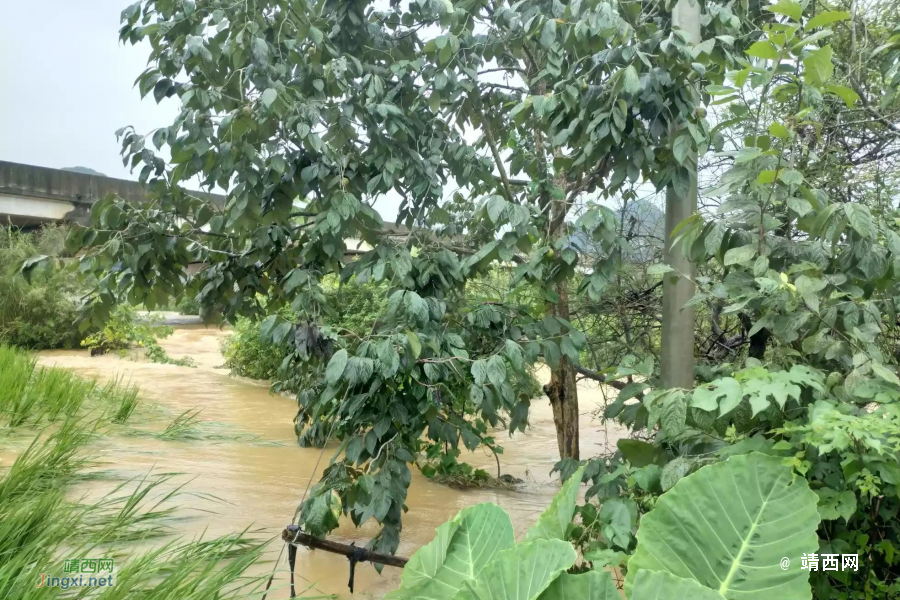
(762,320)
(41,313)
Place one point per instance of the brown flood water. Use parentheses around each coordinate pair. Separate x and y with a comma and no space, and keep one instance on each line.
(260,483)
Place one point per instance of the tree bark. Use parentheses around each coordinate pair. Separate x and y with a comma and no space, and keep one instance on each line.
(677,344)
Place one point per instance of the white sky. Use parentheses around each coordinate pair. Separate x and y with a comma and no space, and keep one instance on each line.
(66,85)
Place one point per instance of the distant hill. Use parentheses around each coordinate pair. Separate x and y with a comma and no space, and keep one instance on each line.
(84,171)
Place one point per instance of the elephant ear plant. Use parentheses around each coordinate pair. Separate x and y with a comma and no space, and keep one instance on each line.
(718,534)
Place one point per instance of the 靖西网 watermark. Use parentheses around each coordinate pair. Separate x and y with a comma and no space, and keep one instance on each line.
(82,572)
(829,562)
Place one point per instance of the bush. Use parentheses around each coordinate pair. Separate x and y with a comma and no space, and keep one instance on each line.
(40,313)
(248,355)
(188,305)
(126,329)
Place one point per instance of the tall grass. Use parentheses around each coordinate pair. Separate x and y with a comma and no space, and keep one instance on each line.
(32,395)
(41,525)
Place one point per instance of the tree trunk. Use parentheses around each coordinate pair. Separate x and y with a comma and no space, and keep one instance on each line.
(562,390)
(677,344)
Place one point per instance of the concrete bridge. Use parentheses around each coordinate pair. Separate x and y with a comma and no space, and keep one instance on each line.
(32,196)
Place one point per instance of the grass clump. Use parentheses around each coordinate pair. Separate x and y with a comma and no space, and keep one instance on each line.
(33,395)
(41,525)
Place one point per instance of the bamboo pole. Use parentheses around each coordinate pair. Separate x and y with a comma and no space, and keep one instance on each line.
(356,553)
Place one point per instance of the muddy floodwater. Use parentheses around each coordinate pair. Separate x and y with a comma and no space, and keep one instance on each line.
(247,471)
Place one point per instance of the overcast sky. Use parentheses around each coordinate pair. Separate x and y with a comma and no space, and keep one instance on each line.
(66,85)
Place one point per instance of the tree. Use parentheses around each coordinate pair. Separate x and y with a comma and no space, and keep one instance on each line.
(307,112)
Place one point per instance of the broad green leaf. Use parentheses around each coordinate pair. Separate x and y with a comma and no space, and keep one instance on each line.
(460,550)
(849,96)
(336,366)
(522,572)
(835,505)
(740,255)
(659,585)
(269,96)
(763,49)
(548,33)
(885,373)
(659,269)
(414,344)
(778,130)
(719,90)
(728,526)
(788,8)
(723,394)
(747,154)
(826,18)
(860,219)
(818,67)
(790,176)
(639,453)
(593,585)
(631,83)
(554,522)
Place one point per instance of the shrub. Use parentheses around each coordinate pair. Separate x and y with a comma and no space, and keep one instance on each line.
(126,329)
(188,305)
(248,355)
(40,313)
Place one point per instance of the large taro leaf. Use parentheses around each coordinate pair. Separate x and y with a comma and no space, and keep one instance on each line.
(728,526)
(593,585)
(554,522)
(521,572)
(659,585)
(461,548)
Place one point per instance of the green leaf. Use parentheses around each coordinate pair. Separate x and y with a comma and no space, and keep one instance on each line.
(336,365)
(849,96)
(790,176)
(673,414)
(631,83)
(763,49)
(860,219)
(885,373)
(593,585)
(728,526)
(740,255)
(638,453)
(826,18)
(778,130)
(548,33)
(788,8)
(522,572)
(719,90)
(835,505)
(747,154)
(659,585)
(459,552)
(818,67)
(723,394)
(269,96)
(554,522)
(414,344)
(681,148)
(659,269)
